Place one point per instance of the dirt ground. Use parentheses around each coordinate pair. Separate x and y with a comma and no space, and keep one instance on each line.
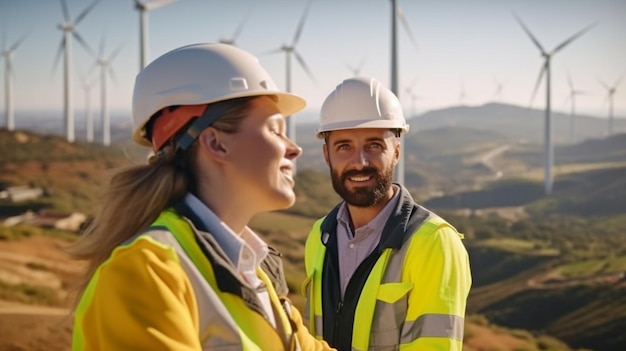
(36,262)
(39,262)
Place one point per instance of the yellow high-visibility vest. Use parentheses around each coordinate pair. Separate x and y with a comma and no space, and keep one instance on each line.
(159,291)
(414,297)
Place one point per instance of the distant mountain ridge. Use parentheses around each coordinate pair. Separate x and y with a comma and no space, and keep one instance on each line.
(516,121)
(510,120)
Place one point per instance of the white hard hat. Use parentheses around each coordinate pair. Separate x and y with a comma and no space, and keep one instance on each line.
(361,103)
(201,74)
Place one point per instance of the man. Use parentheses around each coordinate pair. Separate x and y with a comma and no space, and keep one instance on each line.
(384,273)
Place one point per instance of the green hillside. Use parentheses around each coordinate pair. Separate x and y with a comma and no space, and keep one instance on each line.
(564,253)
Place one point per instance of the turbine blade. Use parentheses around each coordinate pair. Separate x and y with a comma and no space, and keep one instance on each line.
(101,47)
(115,53)
(83,43)
(354,70)
(66,12)
(93,67)
(85,12)
(406,26)
(296,37)
(240,28)
(304,66)
(569,97)
(606,86)
(55,64)
(362,63)
(18,43)
(4,40)
(112,74)
(528,32)
(157,3)
(272,52)
(541,73)
(618,81)
(573,37)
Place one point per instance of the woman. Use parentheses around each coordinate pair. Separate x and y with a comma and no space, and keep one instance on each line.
(172,262)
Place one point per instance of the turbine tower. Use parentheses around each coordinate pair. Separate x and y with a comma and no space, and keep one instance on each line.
(143,6)
(571,97)
(87,86)
(291,50)
(105,69)
(9,74)
(69,30)
(610,92)
(396,14)
(545,69)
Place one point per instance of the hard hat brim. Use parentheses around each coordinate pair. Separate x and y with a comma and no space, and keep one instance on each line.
(365,123)
(287,103)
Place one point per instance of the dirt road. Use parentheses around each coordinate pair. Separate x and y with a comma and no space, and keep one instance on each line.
(35,262)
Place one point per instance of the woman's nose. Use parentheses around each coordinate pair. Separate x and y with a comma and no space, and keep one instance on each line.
(293,150)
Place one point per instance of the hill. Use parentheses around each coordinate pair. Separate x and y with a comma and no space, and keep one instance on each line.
(590,180)
(515,261)
(515,122)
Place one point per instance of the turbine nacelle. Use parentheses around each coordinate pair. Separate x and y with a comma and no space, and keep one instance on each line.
(66,26)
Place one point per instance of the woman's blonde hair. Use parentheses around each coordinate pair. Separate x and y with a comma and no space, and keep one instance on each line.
(138,194)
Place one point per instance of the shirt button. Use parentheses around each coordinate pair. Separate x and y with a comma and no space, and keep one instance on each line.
(352,246)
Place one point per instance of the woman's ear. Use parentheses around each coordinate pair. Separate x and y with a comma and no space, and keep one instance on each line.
(212,143)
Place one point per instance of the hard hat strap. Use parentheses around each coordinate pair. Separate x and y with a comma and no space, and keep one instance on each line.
(212,113)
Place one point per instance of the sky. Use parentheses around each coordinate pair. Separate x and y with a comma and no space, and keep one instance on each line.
(463,49)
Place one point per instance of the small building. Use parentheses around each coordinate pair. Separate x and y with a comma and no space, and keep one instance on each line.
(20,193)
(50,219)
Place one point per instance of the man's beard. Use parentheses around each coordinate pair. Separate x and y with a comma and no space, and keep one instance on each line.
(363,196)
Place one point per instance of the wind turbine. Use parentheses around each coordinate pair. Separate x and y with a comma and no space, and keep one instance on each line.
(105,69)
(69,30)
(356,70)
(291,50)
(571,97)
(232,40)
(87,85)
(9,74)
(409,91)
(396,14)
(545,69)
(143,6)
(497,95)
(462,93)
(610,92)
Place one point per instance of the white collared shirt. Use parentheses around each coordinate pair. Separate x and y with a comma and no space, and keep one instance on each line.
(245,251)
(353,249)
